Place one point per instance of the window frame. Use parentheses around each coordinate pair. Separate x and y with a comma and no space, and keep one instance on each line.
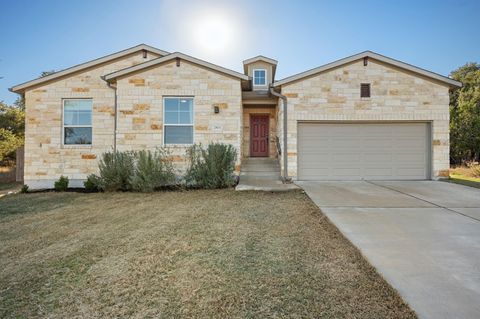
(63,123)
(164,124)
(253,77)
(369,86)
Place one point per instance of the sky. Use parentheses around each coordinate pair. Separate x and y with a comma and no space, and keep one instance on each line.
(43,35)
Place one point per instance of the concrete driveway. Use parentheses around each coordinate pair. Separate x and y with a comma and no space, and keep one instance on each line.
(423,237)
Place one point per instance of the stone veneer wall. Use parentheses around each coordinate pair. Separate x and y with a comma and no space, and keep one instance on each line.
(271,111)
(46,158)
(140,107)
(396,95)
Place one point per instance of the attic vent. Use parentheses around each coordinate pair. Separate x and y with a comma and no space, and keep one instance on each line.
(144,54)
(365,90)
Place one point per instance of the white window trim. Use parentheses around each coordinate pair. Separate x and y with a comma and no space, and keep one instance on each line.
(192,125)
(63,124)
(253,76)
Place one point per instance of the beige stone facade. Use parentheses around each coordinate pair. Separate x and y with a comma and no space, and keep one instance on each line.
(46,158)
(396,95)
(140,107)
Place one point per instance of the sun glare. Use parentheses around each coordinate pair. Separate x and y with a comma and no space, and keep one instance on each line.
(213,33)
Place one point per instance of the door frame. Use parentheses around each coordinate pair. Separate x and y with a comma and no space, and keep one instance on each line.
(257,115)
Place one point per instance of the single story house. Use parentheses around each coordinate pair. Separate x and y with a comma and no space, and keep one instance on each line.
(366,116)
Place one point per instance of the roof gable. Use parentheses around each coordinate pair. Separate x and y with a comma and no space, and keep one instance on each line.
(375,56)
(176,55)
(20,88)
(260,58)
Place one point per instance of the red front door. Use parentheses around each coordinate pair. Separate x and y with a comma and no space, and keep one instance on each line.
(259,135)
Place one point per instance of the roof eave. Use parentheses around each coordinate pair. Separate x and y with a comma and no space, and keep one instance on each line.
(151,63)
(451,83)
(260,58)
(20,88)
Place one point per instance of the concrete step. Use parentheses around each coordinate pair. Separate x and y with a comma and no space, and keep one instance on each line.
(261,173)
(252,179)
(255,168)
(260,160)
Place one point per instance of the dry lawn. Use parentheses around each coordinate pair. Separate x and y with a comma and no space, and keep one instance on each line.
(203,254)
(463,175)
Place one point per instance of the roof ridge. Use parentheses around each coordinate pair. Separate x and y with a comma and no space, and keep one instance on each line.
(170,56)
(373,55)
(77,67)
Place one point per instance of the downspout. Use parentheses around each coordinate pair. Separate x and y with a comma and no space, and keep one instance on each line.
(285,150)
(114,88)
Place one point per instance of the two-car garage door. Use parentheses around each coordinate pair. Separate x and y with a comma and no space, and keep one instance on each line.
(369,151)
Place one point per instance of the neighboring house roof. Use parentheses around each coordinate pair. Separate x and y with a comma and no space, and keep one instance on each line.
(260,58)
(172,56)
(375,56)
(20,88)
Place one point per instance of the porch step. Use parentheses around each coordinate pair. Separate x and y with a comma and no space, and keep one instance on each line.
(261,174)
(259,164)
(260,168)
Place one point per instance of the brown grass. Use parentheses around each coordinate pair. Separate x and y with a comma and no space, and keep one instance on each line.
(203,254)
(463,175)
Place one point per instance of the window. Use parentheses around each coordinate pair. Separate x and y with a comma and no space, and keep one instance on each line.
(77,121)
(259,77)
(178,120)
(365,90)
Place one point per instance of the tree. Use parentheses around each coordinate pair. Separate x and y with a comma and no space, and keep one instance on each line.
(12,125)
(12,130)
(465,115)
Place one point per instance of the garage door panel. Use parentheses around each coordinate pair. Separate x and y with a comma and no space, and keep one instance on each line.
(384,151)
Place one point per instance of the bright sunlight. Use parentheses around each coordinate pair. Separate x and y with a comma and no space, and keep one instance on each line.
(214,32)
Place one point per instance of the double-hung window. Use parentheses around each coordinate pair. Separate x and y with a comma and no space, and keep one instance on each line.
(259,77)
(178,120)
(77,121)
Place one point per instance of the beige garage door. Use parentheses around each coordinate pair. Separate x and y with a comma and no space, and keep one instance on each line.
(383,151)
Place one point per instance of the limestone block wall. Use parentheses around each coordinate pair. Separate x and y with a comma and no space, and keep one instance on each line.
(271,111)
(140,107)
(46,158)
(396,95)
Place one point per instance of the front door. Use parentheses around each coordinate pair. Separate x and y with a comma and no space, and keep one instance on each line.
(259,135)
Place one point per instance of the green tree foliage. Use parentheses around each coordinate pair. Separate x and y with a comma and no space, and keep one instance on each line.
(12,128)
(465,115)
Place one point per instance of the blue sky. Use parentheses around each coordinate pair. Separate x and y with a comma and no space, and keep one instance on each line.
(37,36)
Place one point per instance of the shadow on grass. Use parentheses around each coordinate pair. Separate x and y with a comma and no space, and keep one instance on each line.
(462,181)
(37,202)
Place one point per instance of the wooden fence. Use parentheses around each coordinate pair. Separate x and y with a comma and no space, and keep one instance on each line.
(20,164)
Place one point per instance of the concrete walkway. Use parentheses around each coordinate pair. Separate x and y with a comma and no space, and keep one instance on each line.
(423,238)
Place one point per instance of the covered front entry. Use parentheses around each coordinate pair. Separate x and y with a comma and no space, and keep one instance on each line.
(259,132)
(358,151)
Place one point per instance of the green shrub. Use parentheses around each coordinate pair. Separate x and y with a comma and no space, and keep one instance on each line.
(475,170)
(92,183)
(212,167)
(24,189)
(153,170)
(116,171)
(61,185)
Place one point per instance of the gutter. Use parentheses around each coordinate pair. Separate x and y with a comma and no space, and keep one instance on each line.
(285,150)
(115,114)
